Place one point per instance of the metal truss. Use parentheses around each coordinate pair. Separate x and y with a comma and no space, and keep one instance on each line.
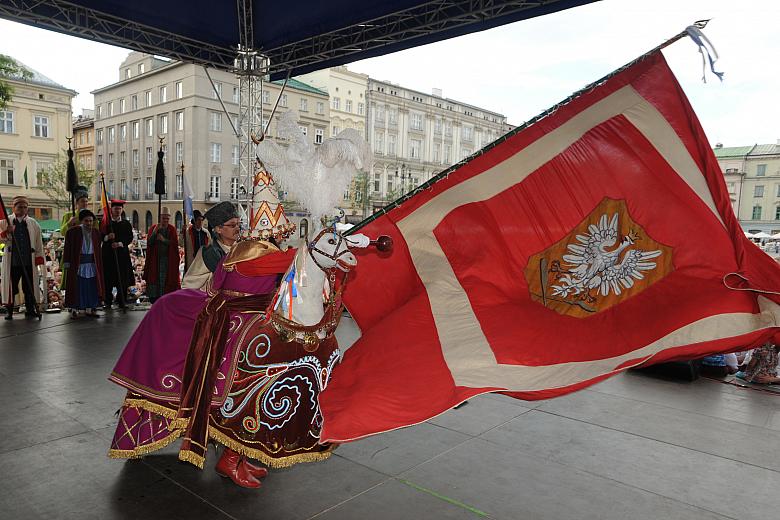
(333,48)
(76,20)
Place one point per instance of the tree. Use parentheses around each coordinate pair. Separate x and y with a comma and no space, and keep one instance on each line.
(10,68)
(53,182)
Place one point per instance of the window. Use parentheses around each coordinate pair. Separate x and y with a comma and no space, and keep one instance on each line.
(448,129)
(41,126)
(236,95)
(234,187)
(348,105)
(234,155)
(111,109)
(149,127)
(380,113)
(179,186)
(377,182)
(760,170)
(379,143)
(416,122)
(756,212)
(758,191)
(6,122)
(122,106)
(100,161)
(179,148)
(777,212)
(148,98)
(136,130)
(336,103)
(318,133)
(123,160)
(216,153)
(123,132)
(304,129)
(216,91)
(437,126)
(414,148)
(283,101)
(361,109)
(304,105)
(98,112)
(446,155)
(180,120)
(391,144)
(149,156)
(436,152)
(134,103)
(266,96)
(164,124)
(111,161)
(215,121)
(6,171)
(150,186)
(178,88)
(320,107)
(110,188)
(136,158)
(468,133)
(392,116)
(336,130)
(136,187)
(141,68)
(466,152)
(214,187)
(111,135)
(41,167)
(163,94)
(123,188)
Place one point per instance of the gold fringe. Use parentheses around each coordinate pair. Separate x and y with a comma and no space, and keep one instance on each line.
(178,423)
(264,458)
(192,458)
(151,407)
(140,451)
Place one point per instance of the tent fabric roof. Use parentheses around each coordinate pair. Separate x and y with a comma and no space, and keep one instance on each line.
(298,37)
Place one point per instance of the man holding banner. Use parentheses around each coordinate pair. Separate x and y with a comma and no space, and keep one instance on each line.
(23,254)
(117,269)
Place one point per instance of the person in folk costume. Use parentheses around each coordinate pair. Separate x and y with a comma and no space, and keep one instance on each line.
(28,256)
(85,267)
(71,220)
(161,270)
(224,227)
(116,240)
(193,238)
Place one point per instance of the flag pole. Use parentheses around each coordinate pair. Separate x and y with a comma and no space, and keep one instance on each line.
(26,276)
(699,24)
(184,231)
(107,209)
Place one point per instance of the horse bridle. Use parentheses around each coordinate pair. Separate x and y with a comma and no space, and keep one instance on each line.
(334,256)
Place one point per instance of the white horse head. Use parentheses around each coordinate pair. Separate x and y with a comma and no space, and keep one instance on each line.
(330,249)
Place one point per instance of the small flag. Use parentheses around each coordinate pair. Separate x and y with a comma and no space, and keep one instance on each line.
(187,198)
(25,178)
(106,207)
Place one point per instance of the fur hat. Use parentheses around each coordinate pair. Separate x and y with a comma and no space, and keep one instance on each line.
(20,198)
(196,214)
(221,213)
(81,193)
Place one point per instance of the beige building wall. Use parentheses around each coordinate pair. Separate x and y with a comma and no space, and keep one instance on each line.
(157,98)
(760,197)
(83,144)
(35,147)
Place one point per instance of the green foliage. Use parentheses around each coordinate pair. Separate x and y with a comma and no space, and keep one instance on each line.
(10,68)
(54,181)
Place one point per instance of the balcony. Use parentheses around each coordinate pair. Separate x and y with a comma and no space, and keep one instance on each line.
(211,197)
(179,195)
(148,196)
(134,196)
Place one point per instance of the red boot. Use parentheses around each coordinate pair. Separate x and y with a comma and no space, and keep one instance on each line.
(229,467)
(255,471)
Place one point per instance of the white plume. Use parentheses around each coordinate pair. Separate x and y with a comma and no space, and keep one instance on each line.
(315,176)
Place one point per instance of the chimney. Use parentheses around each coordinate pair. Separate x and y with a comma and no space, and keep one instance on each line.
(436,92)
(718,145)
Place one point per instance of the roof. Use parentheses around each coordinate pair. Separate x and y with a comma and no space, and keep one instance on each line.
(37,78)
(300,85)
(765,149)
(297,37)
(732,151)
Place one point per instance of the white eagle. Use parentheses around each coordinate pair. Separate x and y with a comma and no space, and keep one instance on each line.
(592,266)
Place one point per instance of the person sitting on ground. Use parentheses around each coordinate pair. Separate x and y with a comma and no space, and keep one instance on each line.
(762,367)
(719,365)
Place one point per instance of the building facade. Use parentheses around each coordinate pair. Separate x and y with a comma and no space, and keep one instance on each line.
(83,144)
(733,164)
(33,132)
(176,101)
(414,136)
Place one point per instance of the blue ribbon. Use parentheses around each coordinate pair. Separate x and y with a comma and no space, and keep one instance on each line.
(705,47)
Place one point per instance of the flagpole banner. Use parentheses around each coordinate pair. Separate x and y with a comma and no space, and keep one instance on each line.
(599,238)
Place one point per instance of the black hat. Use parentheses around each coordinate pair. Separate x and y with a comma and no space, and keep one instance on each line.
(81,193)
(196,214)
(84,213)
(221,213)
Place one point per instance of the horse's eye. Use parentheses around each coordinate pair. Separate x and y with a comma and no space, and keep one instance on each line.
(331,241)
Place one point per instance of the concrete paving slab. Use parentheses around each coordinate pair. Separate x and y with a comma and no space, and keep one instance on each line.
(480,414)
(685,475)
(511,484)
(400,450)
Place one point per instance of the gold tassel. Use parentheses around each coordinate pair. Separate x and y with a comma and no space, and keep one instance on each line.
(284,462)
(140,451)
(192,458)
(150,407)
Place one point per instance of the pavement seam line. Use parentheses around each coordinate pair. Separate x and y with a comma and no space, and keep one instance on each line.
(445,498)
(350,498)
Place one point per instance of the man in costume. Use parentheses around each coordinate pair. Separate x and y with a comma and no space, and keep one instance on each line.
(194,238)
(117,269)
(70,219)
(224,227)
(23,254)
(85,267)
(161,270)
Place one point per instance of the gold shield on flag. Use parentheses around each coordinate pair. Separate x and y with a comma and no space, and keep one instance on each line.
(607,258)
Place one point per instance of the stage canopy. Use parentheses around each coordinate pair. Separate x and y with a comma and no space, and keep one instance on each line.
(297,36)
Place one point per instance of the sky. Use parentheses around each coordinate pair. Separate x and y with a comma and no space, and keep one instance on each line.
(522,69)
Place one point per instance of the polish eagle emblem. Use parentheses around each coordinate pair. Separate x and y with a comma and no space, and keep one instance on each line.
(594,263)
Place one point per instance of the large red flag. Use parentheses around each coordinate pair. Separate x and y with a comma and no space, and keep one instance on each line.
(599,238)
